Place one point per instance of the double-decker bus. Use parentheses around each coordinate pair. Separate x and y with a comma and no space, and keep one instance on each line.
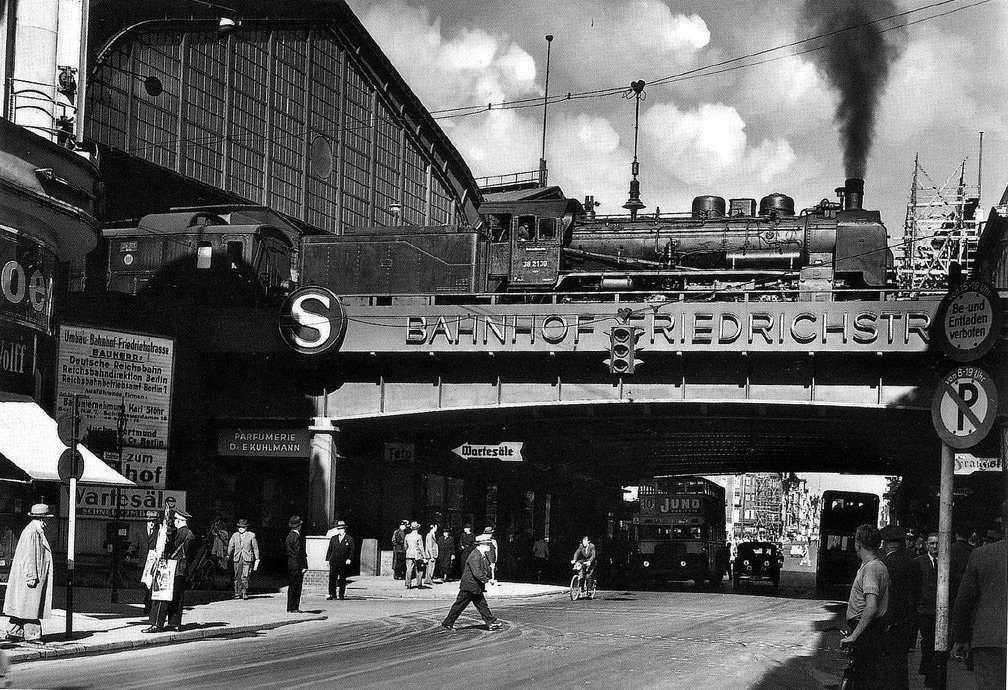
(842,513)
(681,530)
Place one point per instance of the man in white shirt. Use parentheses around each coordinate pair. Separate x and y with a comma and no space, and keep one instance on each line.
(866,610)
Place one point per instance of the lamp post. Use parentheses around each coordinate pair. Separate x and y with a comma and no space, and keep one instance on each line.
(116,511)
(634,203)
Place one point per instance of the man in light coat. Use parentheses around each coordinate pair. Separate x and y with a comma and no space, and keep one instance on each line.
(243,552)
(431,554)
(28,600)
(414,553)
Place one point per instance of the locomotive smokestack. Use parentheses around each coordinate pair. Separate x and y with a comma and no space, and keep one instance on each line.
(853,194)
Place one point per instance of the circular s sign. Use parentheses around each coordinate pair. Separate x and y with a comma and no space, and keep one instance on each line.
(312,320)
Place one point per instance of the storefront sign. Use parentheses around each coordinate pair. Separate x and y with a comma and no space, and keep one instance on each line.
(26,275)
(98,502)
(966,463)
(112,369)
(263,443)
(667,327)
(17,359)
(400,453)
(145,467)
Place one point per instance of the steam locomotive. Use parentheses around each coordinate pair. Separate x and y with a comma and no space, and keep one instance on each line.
(560,245)
(537,245)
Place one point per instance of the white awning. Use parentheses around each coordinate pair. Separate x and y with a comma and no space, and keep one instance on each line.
(28,439)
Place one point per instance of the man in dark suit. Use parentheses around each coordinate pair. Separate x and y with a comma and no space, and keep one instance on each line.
(170,612)
(339,555)
(446,555)
(150,541)
(467,542)
(959,557)
(399,552)
(904,591)
(928,565)
(297,564)
(472,587)
(979,628)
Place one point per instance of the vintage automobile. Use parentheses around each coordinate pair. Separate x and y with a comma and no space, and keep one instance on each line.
(758,561)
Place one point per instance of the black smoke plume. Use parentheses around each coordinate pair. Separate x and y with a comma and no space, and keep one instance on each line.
(856,62)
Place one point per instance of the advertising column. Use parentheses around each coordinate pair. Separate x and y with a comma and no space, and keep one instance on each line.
(126,381)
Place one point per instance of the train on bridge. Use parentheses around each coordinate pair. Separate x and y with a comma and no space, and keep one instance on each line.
(538,245)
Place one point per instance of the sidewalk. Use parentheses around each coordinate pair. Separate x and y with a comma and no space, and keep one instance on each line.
(99,626)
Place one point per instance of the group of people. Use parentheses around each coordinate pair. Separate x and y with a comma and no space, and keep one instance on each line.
(893,598)
(430,557)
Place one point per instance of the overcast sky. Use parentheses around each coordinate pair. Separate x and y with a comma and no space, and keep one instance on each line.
(742,133)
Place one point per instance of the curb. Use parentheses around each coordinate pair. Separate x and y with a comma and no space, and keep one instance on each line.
(69,650)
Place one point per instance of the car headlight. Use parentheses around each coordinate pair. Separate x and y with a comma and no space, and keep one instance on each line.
(647,564)
(682,563)
(766,563)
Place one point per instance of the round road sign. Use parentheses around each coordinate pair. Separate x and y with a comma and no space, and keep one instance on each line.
(313,320)
(968,321)
(71,464)
(965,406)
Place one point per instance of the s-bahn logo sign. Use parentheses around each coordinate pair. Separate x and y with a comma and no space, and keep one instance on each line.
(313,320)
(968,321)
(964,406)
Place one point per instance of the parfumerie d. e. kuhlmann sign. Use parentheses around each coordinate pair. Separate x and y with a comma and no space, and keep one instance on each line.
(876,326)
(117,371)
(263,443)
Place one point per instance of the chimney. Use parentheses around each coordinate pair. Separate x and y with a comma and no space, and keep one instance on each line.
(854,195)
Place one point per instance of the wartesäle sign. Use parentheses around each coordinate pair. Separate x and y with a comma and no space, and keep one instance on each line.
(508,451)
(667,327)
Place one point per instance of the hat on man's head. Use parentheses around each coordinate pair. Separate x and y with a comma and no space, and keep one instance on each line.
(179,513)
(242,522)
(340,524)
(404,522)
(40,510)
(294,522)
(488,530)
(482,538)
(169,499)
(414,525)
(893,533)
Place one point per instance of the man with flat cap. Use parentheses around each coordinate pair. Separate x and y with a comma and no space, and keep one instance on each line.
(339,555)
(243,552)
(170,612)
(472,587)
(297,564)
(904,589)
(30,584)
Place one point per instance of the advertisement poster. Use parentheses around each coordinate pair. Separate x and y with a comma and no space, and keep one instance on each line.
(117,373)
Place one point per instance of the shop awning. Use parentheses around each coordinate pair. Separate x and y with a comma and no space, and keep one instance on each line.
(30,447)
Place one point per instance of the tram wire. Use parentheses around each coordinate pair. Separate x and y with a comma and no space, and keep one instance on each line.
(535,102)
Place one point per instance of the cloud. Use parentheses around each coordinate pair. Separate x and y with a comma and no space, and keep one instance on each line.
(585,156)
(474,66)
(710,143)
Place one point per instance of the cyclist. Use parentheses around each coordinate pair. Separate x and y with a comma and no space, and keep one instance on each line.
(585,558)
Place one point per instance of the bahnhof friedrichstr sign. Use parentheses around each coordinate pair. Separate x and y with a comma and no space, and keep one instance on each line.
(672,327)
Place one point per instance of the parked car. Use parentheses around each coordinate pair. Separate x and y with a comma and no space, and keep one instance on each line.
(758,561)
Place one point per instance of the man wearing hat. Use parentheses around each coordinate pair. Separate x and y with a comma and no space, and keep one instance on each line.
(243,552)
(414,556)
(297,564)
(30,585)
(904,590)
(399,551)
(472,587)
(339,555)
(170,612)
(492,554)
(150,540)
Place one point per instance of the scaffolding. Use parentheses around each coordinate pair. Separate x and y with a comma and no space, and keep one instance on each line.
(941,230)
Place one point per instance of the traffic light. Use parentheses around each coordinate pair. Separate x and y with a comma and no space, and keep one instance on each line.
(623,349)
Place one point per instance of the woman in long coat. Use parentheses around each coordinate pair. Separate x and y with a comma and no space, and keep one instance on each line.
(30,586)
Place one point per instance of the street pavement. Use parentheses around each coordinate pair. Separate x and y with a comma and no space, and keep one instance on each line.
(680,639)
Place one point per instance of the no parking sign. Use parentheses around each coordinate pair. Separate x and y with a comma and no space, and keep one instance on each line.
(964,406)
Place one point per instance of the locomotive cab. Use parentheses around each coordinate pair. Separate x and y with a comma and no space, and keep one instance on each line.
(525,240)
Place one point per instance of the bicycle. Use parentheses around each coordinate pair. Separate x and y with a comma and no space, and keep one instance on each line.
(576,586)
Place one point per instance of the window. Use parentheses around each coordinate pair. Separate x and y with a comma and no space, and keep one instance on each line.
(547,229)
(204,254)
(525,226)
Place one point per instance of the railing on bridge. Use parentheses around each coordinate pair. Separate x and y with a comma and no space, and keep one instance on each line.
(526,179)
(641,297)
